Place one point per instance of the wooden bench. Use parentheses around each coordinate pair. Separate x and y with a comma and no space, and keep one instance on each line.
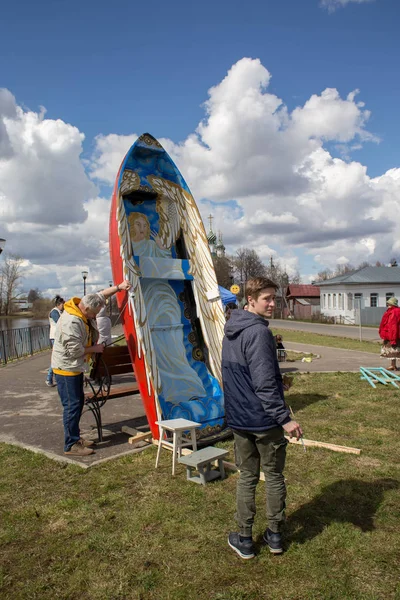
(99,388)
(201,460)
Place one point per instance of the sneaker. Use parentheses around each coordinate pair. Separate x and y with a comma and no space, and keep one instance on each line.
(274,541)
(241,545)
(86,443)
(79,449)
(50,383)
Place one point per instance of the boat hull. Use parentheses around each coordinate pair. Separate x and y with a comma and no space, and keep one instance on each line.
(173,318)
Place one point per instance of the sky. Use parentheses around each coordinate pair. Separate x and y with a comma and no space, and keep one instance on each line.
(281,115)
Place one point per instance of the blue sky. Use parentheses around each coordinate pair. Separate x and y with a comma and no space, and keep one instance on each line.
(124,67)
(127,66)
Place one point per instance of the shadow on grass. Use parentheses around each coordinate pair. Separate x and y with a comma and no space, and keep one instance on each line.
(346,501)
(299,401)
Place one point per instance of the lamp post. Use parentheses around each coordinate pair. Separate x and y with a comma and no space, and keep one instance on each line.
(84,275)
(2,244)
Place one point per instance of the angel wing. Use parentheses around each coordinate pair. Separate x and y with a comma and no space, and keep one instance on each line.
(169,219)
(137,307)
(205,283)
(129,183)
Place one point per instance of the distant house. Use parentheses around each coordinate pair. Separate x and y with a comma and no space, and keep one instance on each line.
(364,290)
(21,304)
(302,301)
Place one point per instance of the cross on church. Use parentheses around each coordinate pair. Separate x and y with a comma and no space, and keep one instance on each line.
(210,218)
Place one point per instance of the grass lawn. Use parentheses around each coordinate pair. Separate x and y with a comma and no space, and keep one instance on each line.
(317,339)
(124,531)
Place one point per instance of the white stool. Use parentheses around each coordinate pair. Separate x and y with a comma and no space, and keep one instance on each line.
(177,426)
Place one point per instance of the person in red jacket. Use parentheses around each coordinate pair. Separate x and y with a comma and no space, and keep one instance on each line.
(389,331)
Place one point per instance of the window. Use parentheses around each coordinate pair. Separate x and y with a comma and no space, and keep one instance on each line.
(389,295)
(334,300)
(340,302)
(350,301)
(329,301)
(358,300)
(373,300)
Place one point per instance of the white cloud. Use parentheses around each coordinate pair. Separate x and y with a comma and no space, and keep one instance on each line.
(332,5)
(264,173)
(287,189)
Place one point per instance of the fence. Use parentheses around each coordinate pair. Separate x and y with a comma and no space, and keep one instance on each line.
(17,343)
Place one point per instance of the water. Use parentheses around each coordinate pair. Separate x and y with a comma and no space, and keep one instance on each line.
(19,322)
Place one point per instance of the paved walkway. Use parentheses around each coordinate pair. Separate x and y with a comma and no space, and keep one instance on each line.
(31,414)
(350,331)
(332,359)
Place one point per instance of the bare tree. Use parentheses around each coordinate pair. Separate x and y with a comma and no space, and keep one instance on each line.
(34,294)
(247,264)
(10,277)
(223,270)
(324,275)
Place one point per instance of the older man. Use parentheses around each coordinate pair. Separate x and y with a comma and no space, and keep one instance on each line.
(74,342)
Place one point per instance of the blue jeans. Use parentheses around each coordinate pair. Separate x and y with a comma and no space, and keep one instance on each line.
(70,390)
(50,370)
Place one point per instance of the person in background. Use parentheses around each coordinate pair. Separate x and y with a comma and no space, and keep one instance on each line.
(75,340)
(228,310)
(257,415)
(54,315)
(280,348)
(389,331)
(104,325)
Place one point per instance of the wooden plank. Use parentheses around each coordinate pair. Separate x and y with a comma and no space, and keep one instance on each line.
(140,437)
(334,447)
(118,392)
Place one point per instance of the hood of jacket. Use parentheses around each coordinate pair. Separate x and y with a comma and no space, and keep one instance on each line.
(240,320)
(72,307)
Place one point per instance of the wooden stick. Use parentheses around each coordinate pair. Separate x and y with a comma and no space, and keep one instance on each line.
(334,447)
(139,437)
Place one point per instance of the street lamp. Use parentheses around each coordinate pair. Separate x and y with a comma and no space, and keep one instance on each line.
(84,275)
(2,244)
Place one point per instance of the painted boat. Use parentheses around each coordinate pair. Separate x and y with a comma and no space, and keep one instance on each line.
(172,317)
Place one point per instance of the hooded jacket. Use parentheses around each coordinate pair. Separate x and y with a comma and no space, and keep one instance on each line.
(74,333)
(253,388)
(389,328)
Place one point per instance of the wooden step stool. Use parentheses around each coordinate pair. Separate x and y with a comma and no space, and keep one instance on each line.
(177,427)
(201,460)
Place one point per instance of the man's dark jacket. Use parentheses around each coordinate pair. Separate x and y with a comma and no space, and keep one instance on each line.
(252,380)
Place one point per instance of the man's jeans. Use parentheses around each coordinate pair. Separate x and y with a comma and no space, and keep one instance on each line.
(70,390)
(50,370)
(268,450)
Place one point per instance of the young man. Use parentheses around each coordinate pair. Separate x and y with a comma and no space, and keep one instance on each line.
(75,340)
(257,414)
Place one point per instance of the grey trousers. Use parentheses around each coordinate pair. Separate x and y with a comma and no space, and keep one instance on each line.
(265,449)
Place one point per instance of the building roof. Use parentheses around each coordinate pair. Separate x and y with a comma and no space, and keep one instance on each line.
(366,275)
(302,291)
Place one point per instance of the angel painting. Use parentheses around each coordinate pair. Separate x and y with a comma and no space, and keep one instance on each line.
(180,382)
(145,242)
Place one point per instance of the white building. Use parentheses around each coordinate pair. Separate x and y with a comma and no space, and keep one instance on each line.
(367,289)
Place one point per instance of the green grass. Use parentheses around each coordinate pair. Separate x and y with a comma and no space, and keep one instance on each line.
(317,339)
(124,531)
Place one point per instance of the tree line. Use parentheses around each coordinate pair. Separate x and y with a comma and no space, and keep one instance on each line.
(245,264)
(10,284)
(326,274)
